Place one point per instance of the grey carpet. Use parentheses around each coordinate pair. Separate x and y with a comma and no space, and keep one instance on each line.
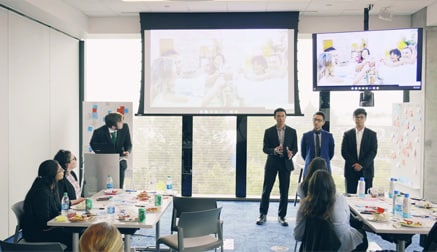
(242,234)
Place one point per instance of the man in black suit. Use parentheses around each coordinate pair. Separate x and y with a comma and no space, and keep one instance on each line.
(359,148)
(280,145)
(115,133)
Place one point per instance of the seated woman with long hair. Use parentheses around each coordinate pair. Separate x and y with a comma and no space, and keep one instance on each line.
(69,182)
(322,201)
(316,164)
(42,204)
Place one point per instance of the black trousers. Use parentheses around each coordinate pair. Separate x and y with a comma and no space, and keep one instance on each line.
(284,184)
(123,167)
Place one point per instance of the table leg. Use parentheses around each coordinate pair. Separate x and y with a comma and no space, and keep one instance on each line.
(75,242)
(127,242)
(400,247)
(157,233)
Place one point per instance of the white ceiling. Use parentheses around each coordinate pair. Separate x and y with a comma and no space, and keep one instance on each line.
(107,8)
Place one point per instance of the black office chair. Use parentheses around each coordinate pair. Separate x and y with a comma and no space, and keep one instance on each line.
(26,247)
(319,235)
(18,209)
(431,240)
(189,204)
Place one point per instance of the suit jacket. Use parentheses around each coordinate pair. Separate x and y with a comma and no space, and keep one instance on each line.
(368,150)
(41,205)
(102,136)
(271,141)
(308,148)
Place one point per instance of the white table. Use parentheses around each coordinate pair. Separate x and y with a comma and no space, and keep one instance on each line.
(123,201)
(358,207)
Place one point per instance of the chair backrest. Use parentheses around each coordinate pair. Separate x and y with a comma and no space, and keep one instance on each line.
(319,235)
(200,223)
(52,247)
(188,204)
(18,209)
(431,239)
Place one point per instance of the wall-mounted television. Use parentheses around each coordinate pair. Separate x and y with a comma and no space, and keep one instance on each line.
(368,60)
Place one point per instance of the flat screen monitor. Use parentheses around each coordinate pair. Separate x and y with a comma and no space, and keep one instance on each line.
(368,60)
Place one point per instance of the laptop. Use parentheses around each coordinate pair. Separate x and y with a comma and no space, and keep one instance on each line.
(103,148)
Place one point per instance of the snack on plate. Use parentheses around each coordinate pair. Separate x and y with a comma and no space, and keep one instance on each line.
(424,204)
(143,196)
(76,218)
(379,216)
(411,223)
(152,209)
(111,192)
(126,217)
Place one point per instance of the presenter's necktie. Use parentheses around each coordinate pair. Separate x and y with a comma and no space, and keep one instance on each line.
(317,143)
(114,137)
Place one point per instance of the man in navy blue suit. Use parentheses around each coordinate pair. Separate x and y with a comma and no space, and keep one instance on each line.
(317,142)
(359,148)
(280,145)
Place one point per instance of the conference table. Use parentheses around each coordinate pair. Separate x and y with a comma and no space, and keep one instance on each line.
(126,203)
(420,222)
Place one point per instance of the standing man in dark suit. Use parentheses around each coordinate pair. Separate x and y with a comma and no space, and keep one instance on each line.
(280,145)
(359,148)
(114,133)
(317,143)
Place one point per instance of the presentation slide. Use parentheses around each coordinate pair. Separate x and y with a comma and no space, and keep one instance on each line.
(221,71)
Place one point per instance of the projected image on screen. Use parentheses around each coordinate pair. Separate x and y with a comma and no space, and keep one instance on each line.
(245,71)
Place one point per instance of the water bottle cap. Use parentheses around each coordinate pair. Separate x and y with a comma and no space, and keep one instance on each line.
(362,178)
(395,192)
(392,179)
(406,195)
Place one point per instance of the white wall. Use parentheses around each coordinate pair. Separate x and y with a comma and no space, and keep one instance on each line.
(39,98)
(4,126)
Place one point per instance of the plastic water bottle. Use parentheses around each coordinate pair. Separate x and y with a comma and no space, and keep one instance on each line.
(395,194)
(392,187)
(398,205)
(110,208)
(406,213)
(109,182)
(361,189)
(169,185)
(65,204)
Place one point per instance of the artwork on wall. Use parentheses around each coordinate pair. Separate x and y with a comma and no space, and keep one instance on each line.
(407,144)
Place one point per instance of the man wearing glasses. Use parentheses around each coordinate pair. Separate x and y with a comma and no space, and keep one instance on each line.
(317,142)
(359,148)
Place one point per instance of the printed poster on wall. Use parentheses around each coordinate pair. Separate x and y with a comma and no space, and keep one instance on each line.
(407,144)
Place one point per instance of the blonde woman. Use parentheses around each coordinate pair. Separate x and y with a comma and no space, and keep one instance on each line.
(101,237)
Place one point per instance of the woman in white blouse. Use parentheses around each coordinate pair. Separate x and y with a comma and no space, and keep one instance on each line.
(70,183)
(322,201)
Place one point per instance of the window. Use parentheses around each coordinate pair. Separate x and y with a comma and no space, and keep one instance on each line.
(113,74)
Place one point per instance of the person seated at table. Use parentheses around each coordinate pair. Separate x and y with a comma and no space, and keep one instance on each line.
(69,183)
(101,237)
(322,201)
(316,164)
(42,204)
